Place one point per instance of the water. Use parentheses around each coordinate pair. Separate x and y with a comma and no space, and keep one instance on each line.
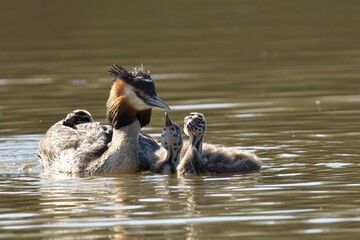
(279,78)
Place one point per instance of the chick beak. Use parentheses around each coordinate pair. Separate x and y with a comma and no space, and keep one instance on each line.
(155,101)
(168,121)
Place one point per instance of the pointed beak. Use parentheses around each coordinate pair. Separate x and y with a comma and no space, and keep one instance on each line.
(168,121)
(155,101)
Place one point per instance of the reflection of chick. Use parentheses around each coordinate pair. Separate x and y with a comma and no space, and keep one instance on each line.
(171,140)
(215,159)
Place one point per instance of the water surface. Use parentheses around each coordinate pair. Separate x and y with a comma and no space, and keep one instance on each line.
(278,78)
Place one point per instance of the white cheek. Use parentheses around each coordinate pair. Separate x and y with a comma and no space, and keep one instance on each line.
(186,131)
(136,102)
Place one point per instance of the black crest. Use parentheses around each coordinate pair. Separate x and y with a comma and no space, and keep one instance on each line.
(121,72)
(141,74)
(138,74)
(139,78)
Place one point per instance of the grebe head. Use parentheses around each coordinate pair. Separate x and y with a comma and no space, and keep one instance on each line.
(132,96)
(76,117)
(137,86)
(195,124)
(171,137)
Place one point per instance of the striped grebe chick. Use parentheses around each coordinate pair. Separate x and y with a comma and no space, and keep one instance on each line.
(217,159)
(93,148)
(76,117)
(172,141)
(192,161)
(195,129)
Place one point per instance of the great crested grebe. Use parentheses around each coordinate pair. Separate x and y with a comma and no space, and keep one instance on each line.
(215,159)
(172,141)
(77,144)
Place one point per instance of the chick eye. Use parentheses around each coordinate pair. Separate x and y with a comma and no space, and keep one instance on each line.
(137,93)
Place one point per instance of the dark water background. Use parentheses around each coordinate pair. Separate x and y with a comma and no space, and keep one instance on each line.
(279,78)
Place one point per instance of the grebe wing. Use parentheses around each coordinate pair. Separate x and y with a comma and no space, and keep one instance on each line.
(146,141)
(68,149)
(147,151)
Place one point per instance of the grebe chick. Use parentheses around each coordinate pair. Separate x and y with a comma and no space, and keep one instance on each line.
(195,129)
(172,141)
(76,117)
(192,161)
(93,148)
(217,159)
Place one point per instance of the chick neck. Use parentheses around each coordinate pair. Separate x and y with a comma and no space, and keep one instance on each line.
(172,159)
(196,141)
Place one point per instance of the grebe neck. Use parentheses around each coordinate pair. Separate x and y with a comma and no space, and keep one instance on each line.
(197,142)
(129,131)
(119,112)
(122,154)
(172,157)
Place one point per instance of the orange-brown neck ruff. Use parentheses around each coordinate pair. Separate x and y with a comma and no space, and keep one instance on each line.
(119,112)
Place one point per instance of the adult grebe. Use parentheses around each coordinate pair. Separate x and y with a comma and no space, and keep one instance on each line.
(172,141)
(215,159)
(74,146)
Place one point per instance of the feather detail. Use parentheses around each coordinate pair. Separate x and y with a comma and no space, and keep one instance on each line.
(144,117)
(120,72)
(119,112)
